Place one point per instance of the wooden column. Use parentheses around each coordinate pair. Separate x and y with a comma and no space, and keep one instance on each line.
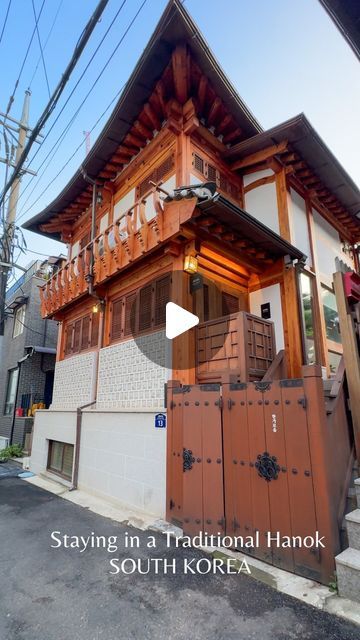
(291,314)
(326,507)
(183,347)
(351,355)
(283,205)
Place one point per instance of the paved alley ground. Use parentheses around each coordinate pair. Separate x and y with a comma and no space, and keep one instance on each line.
(61,594)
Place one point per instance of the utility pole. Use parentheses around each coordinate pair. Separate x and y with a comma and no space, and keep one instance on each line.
(9,221)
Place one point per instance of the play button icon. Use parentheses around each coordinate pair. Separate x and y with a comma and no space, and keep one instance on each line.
(178,320)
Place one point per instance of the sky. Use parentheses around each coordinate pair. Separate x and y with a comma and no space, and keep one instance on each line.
(283,57)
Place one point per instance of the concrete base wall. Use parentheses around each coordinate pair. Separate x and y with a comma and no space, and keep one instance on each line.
(122,454)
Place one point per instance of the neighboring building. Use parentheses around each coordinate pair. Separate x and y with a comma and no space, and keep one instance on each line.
(28,353)
(276,216)
(346,16)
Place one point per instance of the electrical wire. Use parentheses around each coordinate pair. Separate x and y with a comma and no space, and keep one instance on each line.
(57,93)
(71,157)
(72,92)
(46,41)
(12,97)
(41,48)
(60,139)
(5,20)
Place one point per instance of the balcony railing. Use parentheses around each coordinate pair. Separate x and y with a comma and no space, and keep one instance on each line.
(144,226)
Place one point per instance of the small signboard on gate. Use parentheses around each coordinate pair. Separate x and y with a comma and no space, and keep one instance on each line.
(160,421)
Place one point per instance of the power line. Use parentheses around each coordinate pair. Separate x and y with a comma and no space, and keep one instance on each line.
(41,49)
(73,90)
(5,20)
(57,93)
(12,97)
(47,40)
(60,139)
(72,156)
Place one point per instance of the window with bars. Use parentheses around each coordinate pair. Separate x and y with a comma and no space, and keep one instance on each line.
(157,175)
(211,173)
(81,334)
(140,310)
(229,303)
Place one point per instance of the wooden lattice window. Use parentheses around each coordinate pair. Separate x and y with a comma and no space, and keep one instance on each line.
(116,319)
(198,163)
(229,303)
(145,310)
(81,334)
(157,175)
(141,310)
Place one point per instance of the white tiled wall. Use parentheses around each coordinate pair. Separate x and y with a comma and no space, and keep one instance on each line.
(73,381)
(122,454)
(128,379)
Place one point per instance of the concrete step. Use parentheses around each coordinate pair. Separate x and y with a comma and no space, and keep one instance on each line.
(351,500)
(348,574)
(353,529)
(357,489)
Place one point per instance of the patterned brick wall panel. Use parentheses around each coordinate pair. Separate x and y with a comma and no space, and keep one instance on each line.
(130,380)
(73,381)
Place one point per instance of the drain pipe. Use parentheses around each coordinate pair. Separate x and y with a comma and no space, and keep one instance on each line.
(79,411)
(93,294)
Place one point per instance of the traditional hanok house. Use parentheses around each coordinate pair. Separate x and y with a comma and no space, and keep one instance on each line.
(252,442)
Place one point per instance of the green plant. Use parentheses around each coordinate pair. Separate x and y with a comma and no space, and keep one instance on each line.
(333,585)
(12,451)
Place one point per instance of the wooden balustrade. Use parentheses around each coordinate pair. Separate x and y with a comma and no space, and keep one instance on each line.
(124,241)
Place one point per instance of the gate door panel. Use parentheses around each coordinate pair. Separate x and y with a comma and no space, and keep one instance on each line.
(299,472)
(268,476)
(280,519)
(203,491)
(175,455)
(238,502)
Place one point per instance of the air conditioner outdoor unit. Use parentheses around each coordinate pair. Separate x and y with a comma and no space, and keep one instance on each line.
(4,442)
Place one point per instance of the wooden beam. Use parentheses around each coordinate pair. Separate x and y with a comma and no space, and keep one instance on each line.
(202,90)
(291,314)
(283,205)
(224,124)
(232,135)
(214,112)
(150,113)
(144,131)
(259,183)
(259,156)
(351,355)
(181,68)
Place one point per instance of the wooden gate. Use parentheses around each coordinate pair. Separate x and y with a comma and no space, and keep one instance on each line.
(249,459)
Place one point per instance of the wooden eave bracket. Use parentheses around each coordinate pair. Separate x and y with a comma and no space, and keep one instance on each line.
(260,156)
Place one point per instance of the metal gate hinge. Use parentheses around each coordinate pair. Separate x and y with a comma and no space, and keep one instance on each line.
(303,402)
(172,503)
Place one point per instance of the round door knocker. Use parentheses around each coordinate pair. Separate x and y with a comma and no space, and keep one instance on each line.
(267,466)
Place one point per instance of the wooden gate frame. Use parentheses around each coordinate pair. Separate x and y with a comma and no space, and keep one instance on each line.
(323,459)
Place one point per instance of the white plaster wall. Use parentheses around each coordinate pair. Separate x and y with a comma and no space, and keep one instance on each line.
(299,225)
(129,379)
(270,294)
(50,425)
(328,246)
(122,455)
(124,204)
(74,381)
(262,201)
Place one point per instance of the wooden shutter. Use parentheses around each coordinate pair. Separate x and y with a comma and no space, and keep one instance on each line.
(77,336)
(198,163)
(206,302)
(85,337)
(229,303)
(94,339)
(130,314)
(116,319)
(68,339)
(162,297)
(145,307)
